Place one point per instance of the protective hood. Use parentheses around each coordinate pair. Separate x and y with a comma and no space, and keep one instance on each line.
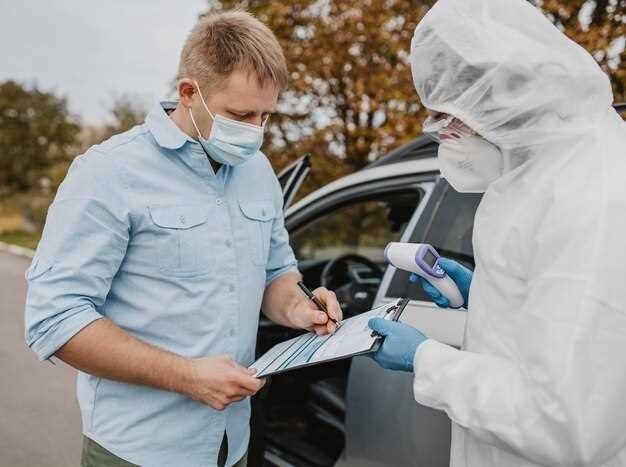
(508,73)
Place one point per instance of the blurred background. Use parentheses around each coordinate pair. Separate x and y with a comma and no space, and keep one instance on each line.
(76,72)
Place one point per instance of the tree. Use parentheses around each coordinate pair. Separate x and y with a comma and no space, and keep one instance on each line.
(600,27)
(351,97)
(125,113)
(36,133)
(38,140)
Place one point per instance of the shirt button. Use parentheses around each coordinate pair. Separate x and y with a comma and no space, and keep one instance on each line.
(229,243)
(182,220)
(231,333)
(219,201)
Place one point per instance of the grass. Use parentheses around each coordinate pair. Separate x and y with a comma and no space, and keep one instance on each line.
(25,239)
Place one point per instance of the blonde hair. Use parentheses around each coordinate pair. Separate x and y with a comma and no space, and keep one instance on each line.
(220,43)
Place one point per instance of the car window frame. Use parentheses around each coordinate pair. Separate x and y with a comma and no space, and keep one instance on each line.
(351,194)
(292,177)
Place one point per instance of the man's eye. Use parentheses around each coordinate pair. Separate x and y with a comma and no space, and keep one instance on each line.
(237,114)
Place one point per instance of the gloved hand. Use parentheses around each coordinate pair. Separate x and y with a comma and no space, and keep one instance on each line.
(461,275)
(399,345)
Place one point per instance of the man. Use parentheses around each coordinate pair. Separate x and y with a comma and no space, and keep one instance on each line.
(524,115)
(158,251)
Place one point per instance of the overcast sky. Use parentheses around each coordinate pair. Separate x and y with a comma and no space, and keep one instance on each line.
(91,51)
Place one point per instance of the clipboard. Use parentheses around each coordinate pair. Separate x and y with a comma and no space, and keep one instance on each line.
(353,338)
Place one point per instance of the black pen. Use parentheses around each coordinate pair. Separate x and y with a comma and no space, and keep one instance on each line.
(317,302)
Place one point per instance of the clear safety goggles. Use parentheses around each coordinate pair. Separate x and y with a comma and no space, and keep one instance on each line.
(445,127)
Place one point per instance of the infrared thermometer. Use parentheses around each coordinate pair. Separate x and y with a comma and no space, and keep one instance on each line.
(423,260)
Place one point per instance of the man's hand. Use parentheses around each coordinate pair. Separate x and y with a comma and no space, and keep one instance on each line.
(219,381)
(305,314)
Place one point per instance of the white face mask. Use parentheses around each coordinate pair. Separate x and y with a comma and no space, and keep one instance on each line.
(230,142)
(470,164)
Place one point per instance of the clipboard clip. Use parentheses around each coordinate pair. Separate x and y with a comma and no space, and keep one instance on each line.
(395,311)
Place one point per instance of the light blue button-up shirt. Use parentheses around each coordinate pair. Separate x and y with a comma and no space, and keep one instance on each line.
(144,232)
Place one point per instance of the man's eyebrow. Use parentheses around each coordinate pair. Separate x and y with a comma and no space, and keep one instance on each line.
(250,111)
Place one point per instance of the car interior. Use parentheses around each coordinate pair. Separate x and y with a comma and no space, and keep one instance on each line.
(299,416)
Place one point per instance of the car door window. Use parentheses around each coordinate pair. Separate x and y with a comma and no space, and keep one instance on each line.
(362,227)
(448,226)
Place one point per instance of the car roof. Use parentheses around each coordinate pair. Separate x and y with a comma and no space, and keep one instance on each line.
(419,148)
(371,173)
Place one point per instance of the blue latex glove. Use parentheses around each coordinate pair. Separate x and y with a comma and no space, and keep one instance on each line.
(461,275)
(399,345)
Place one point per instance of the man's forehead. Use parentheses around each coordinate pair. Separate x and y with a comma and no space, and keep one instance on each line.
(243,88)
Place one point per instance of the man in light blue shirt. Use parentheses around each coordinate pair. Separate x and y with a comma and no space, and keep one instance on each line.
(160,248)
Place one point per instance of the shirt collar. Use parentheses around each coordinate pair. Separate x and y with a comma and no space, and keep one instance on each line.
(163,128)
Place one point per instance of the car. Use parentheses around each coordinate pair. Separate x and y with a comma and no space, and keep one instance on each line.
(351,412)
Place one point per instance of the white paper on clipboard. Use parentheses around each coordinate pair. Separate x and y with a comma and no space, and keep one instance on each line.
(354,337)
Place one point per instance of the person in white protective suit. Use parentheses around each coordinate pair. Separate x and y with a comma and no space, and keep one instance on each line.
(525,115)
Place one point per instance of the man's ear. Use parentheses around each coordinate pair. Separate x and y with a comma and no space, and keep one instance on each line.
(186,90)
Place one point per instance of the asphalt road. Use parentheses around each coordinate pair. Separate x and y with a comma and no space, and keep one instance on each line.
(39,417)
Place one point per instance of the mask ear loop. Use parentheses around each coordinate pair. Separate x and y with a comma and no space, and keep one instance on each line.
(203,101)
(194,123)
(206,152)
(205,106)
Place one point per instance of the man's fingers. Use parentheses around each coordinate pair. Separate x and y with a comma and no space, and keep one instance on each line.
(249,383)
(242,392)
(329,299)
(237,398)
(317,317)
(320,330)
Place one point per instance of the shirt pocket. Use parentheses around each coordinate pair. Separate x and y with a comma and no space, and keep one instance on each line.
(182,234)
(258,216)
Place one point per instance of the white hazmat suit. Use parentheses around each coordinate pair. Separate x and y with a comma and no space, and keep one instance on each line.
(541,377)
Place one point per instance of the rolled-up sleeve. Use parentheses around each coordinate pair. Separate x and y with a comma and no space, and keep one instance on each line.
(281,258)
(83,244)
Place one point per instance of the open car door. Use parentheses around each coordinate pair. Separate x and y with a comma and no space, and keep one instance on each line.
(291,178)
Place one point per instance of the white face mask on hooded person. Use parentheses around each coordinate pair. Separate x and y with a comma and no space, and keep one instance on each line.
(230,142)
(469,162)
